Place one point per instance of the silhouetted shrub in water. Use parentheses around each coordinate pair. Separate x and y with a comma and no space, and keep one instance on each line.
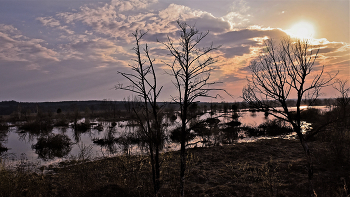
(231,131)
(51,146)
(311,115)
(212,121)
(37,127)
(129,139)
(201,130)
(3,127)
(3,135)
(252,132)
(230,134)
(83,127)
(175,135)
(173,118)
(2,148)
(99,127)
(61,123)
(105,141)
(234,123)
(108,143)
(235,116)
(275,127)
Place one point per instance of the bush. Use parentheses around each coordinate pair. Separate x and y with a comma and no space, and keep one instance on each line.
(311,115)
(82,127)
(61,123)
(37,126)
(2,148)
(3,127)
(275,127)
(51,146)
(175,135)
(252,131)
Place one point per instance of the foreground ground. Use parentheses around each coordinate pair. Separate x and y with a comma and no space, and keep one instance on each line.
(264,168)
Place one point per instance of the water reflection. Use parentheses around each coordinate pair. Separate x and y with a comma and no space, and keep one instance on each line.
(108,138)
(108,141)
(52,145)
(26,136)
(3,138)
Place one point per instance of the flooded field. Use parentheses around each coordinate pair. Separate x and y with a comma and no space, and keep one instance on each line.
(105,139)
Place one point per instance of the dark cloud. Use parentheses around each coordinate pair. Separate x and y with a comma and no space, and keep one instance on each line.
(234,51)
(207,22)
(245,36)
(232,79)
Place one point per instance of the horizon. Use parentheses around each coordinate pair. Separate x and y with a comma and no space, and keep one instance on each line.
(106,100)
(72,51)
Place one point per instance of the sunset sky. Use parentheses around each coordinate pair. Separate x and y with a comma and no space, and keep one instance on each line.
(55,50)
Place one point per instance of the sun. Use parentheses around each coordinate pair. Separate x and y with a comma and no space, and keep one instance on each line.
(302,30)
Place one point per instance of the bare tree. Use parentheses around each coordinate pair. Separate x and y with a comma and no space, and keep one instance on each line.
(191,69)
(339,115)
(144,84)
(343,101)
(286,71)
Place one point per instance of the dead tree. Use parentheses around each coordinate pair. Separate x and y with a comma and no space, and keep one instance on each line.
(282,72)
(343,101)
(144,84)
(191,68)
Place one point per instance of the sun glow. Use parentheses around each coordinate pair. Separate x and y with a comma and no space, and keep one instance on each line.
(302,30)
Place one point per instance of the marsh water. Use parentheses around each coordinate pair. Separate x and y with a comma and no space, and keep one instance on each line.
(22,144)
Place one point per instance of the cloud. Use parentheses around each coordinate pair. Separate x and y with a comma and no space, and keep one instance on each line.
(93,42)
(126,5)
(230,52)
(119,19)
(51,22)
(8,29)
(18,48)
(100,50)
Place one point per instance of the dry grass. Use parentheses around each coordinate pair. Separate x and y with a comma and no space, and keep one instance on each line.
(264,168)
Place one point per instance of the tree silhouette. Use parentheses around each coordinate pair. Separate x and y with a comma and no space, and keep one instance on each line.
(191,68)
(282,72)
(144,84)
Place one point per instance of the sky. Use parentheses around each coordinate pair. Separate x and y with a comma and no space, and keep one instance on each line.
(73,49)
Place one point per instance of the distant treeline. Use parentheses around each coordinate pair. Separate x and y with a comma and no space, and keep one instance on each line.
(9,107)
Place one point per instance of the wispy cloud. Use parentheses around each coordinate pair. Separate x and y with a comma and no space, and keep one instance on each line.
(16,47)
(96,39)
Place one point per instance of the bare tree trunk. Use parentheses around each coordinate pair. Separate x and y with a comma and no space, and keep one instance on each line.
(183,152)
(309,165)
(157,168)
(153,170)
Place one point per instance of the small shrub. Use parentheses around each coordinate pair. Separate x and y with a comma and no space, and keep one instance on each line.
(61,123)
(51,146)
(252,131)
(3,127)
(2,148)
(275,127)
(37,127)
(175,135)
(311,115)
(83,127)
